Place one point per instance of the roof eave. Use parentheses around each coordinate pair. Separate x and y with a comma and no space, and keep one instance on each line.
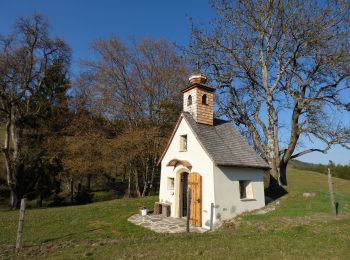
(170,139)
(199,86)
(244,166)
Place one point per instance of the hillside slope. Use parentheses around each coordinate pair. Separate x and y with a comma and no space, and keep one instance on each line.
(340,171)
(299,228)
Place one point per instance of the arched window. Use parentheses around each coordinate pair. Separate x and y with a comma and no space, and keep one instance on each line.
(189,100)
(204,99)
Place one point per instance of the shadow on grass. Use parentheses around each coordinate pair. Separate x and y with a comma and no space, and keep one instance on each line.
(274,193)
(68,235)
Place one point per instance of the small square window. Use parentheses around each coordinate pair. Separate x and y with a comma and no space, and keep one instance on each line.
(246,190)
(171,183)
(183,143)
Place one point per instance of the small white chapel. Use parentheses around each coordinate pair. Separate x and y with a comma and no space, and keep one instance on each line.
(209,156)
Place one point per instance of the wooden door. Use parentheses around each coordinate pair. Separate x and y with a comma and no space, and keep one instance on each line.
(195,183)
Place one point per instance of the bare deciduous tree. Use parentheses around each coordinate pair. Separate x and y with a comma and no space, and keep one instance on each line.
(25,57)
(280,64)
(139,86)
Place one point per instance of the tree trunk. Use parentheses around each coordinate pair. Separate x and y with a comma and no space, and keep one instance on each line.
(9,176)
(152,177)
(144,189)
(273,163)
(57,186)
(39,202)
(274,175)
(16,134)
(89,182)
(145,181)
(137,187)
(271,143)
(71,190)
(79,187)
(283,172)
(123,175)
(12,132)
(129,183)
(14,198)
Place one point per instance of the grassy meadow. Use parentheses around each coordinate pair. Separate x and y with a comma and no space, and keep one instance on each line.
(298,228)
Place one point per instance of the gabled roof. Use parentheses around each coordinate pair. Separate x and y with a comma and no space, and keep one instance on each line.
(197,85)
(223,143)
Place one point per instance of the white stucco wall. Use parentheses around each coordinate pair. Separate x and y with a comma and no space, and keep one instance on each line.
(192,109)
(201,163)
(227,196)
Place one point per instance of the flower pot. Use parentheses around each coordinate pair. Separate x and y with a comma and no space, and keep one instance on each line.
(144,212)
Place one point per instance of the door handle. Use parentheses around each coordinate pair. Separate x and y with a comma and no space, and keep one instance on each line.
(199,200)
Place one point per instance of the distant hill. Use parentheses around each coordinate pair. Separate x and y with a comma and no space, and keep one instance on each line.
(300,164)
(340,171)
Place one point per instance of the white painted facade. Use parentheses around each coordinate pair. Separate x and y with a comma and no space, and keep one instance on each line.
(220,185)
(228,203)
(201,163)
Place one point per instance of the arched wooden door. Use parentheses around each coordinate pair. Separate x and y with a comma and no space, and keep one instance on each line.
(195,183)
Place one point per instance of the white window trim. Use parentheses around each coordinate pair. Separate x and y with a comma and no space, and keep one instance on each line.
(183,143)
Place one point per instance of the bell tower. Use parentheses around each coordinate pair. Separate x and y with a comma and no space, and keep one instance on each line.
(198,99)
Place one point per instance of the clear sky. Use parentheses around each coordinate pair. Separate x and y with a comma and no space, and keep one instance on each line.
(80,22)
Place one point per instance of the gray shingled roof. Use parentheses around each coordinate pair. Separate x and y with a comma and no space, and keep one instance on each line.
(225,145)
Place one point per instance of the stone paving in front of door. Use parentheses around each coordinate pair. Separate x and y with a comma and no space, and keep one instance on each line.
(161,224)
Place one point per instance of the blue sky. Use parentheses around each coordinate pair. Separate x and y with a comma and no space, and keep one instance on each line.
(80,22)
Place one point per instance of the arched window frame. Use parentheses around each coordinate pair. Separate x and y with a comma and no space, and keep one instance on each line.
(189,100)
(204,99)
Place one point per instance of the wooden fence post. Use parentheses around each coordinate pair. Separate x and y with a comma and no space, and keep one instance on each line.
(20,224)
(331,193)
(211,216)
(188,210)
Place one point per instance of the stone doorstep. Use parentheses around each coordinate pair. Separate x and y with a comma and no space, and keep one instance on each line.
(160,224)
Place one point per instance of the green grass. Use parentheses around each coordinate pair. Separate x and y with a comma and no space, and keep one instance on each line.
(299,228)
(103,196)
(98,196)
